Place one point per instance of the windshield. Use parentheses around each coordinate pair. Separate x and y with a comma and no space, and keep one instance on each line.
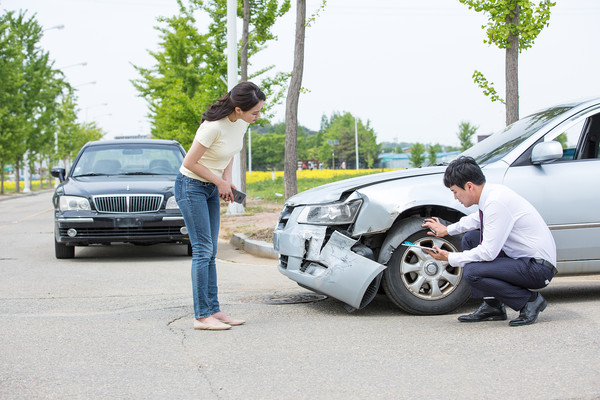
(128,159)
(501,143)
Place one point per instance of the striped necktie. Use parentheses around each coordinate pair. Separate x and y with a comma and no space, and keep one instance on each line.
(480,226)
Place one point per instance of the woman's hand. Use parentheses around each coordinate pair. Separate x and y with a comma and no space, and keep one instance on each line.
(224,188)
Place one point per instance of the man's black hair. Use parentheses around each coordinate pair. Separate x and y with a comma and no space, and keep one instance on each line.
(463,170)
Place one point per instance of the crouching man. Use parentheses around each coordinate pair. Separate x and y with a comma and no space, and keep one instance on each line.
(507,247)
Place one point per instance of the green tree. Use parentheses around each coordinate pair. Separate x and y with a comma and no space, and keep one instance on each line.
(433,150)
(512,25)
(342,128)
(189,66)
(72,135)
(30,92)
(12,77)
(268,151)
(465,132)
(417,155)
(185,79)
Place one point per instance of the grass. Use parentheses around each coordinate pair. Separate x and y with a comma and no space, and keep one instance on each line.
(10,187)
(262,185)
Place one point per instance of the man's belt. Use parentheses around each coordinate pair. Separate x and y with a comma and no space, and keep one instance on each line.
(547,264)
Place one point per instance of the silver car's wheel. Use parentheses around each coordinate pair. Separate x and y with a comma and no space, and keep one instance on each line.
(419,284)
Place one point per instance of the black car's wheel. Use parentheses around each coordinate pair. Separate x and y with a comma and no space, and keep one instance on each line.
(61,251)
(421,285)
(189,249)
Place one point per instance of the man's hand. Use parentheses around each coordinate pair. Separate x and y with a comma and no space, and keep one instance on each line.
(440,255)
(436,228)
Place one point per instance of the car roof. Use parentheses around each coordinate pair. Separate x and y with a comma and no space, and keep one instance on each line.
(130,142)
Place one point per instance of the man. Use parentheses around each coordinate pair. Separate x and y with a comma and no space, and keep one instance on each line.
(507,248)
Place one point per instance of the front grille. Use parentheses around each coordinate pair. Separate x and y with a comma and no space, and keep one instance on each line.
(283,261)
(128,203)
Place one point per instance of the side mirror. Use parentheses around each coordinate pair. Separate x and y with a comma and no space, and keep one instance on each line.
(546,152)
(58,173)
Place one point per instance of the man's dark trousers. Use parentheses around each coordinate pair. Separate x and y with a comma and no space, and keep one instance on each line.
(507,279)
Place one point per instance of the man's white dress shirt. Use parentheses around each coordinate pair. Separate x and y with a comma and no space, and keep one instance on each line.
(510,223)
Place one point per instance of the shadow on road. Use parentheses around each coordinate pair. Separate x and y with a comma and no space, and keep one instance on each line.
(120,252)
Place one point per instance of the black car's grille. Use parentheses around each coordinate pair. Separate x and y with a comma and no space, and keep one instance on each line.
(146,231)
(130,203)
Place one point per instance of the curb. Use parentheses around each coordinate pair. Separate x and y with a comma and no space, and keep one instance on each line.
(258,248)
(21,195)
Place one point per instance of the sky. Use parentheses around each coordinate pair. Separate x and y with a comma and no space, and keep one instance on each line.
(404,66)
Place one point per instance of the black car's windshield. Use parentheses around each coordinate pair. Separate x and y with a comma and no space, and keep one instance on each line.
(501,143)
(127,159)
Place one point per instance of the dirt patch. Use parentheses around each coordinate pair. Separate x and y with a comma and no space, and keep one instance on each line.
(257,222)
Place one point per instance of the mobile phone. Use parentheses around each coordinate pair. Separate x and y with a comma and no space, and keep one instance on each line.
(411,244)
(238,196)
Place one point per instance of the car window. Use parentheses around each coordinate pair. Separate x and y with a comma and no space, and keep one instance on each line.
(119,159)
(496,146)
(581,140)
(569,139)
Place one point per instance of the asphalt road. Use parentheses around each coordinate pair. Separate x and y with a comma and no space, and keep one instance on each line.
(116,322)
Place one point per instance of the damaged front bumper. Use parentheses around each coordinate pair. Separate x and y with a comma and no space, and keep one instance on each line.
(325,266)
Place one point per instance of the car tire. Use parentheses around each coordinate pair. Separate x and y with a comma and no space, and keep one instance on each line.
(62,251)
(189,249)
(419,284)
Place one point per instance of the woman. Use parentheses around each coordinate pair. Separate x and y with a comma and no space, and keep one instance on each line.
(204,177)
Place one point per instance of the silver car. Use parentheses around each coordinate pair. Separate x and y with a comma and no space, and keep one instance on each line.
(344,239)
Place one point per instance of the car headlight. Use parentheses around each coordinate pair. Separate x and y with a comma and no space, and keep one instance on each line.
(73,203)
(330,214)
(172,204)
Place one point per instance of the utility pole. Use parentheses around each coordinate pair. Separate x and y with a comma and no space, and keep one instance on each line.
(356,140)
(232,80)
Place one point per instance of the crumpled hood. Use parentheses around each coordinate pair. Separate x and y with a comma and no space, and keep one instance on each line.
(332,192)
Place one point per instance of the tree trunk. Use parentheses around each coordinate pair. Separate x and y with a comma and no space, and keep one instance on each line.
(17,176)
(2,177)
(512,71)
(291,106)
(244,73)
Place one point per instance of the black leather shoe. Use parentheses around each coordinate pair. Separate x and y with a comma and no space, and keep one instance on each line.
(530,312)
(485,312)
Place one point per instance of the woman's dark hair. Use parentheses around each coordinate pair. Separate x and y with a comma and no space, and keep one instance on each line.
(463,170)
(244,95)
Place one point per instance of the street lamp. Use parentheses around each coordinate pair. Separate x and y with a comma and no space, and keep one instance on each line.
(356,140)
(333,143)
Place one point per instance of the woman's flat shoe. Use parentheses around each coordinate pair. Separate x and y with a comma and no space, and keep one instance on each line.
(233,322)
(205,327)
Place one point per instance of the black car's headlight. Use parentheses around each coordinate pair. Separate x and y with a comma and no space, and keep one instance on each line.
(330,214)
(172,204)
(73,203)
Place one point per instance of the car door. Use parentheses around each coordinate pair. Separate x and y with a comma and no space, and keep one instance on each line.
(566,192)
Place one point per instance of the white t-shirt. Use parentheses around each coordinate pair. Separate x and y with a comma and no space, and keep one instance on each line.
(222,139)
(510,223)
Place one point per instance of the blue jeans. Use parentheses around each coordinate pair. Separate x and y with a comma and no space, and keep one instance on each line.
(507,279)
(200,205)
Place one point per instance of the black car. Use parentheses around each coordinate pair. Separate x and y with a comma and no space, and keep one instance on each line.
(119,191)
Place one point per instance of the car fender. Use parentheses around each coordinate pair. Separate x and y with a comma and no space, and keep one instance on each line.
(384,203)
(398,234)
